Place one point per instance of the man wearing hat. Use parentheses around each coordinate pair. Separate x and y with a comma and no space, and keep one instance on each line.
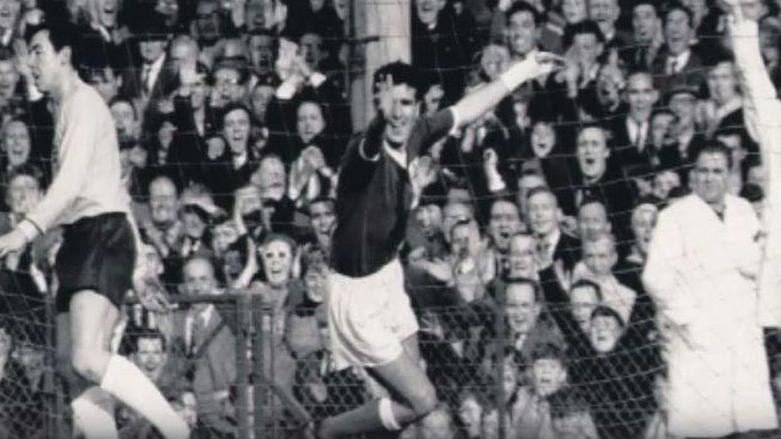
(142,80)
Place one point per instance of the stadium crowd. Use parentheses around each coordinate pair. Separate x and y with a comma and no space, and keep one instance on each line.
(523,259)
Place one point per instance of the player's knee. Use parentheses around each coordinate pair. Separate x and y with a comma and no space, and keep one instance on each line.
(85,365)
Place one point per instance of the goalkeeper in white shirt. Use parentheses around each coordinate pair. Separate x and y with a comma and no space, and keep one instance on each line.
(97,263)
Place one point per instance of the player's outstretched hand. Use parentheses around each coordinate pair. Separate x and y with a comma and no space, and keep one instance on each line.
(12,242)
(545,62)
(150,291)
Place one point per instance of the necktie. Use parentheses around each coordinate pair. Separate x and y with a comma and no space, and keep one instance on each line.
(198,332)
(672,66)
(145,70)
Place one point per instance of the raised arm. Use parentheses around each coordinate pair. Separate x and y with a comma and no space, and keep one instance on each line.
(477,103)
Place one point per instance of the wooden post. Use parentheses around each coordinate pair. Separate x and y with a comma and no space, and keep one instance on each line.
(382,35)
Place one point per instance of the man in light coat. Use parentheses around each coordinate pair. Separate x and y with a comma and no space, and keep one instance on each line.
(702,270)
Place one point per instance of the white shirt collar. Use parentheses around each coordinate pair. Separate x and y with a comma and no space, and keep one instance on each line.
(681,59)
(398,155)
(240,160)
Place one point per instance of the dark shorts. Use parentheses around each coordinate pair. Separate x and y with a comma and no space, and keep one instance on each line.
(98,253)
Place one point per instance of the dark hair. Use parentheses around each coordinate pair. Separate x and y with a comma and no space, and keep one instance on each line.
(585,27)
(62,33)
(549,351)
(123,99)
(752,193)
(144,333)
(230,108)
(587,283)
(541,190)
(717,147)
(402,73)
(237,65)
(523,6)
(27,170)
(651,3)
(606,311)
(677,6)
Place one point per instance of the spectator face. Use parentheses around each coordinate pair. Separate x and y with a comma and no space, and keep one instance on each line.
(322,217)
(236,131)
(30,357)
(698,8)
(608,88)
(183,50)
(543,214)
(9,78)
(682,105)
(9,13)
(404,112)
(163,202)
(207,21)
(16,142)
(525,184)
(599,256)
(224,235)
(261,48)
(194,227)
(645,23)
(23,194)
(261,97)
(150,357)
(583,301)
(604,333)
(677,32)
(505,220)
(151,50)
(453,213)
(124,120)
(469,414)
(460,238)
(521,256)
(543,139)
(105,83)
(592,152)
(168,9)
(664,182)
(521,309)
(227,83)
(605,13)
(270,175)
(643,223)
(429,218)
(548,376)
(310,121)
(721,83)
(428,10)
(574,11)
(494,60)
(640,94)
(199,278)
(105,12)
(154,263)
(432,100)
(710,175)
(312,49)
(277,259)
(661,128)
(592,220)
(521,33)
(587,47)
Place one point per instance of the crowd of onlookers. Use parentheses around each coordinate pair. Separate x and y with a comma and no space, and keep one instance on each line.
(522,260)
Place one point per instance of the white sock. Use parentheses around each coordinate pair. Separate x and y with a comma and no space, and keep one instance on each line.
(93,414)
(128,384)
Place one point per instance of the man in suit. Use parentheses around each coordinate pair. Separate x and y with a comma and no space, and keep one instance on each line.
(204,336)
(140,80)
(631,134)
(679,62)
(543,219)
(646,35)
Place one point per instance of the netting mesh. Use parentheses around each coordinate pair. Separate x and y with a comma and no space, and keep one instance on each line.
(233,118)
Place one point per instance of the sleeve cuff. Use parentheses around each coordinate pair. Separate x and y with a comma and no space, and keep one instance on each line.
(363,154)
(495,182)
(29,229)
(286,91)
